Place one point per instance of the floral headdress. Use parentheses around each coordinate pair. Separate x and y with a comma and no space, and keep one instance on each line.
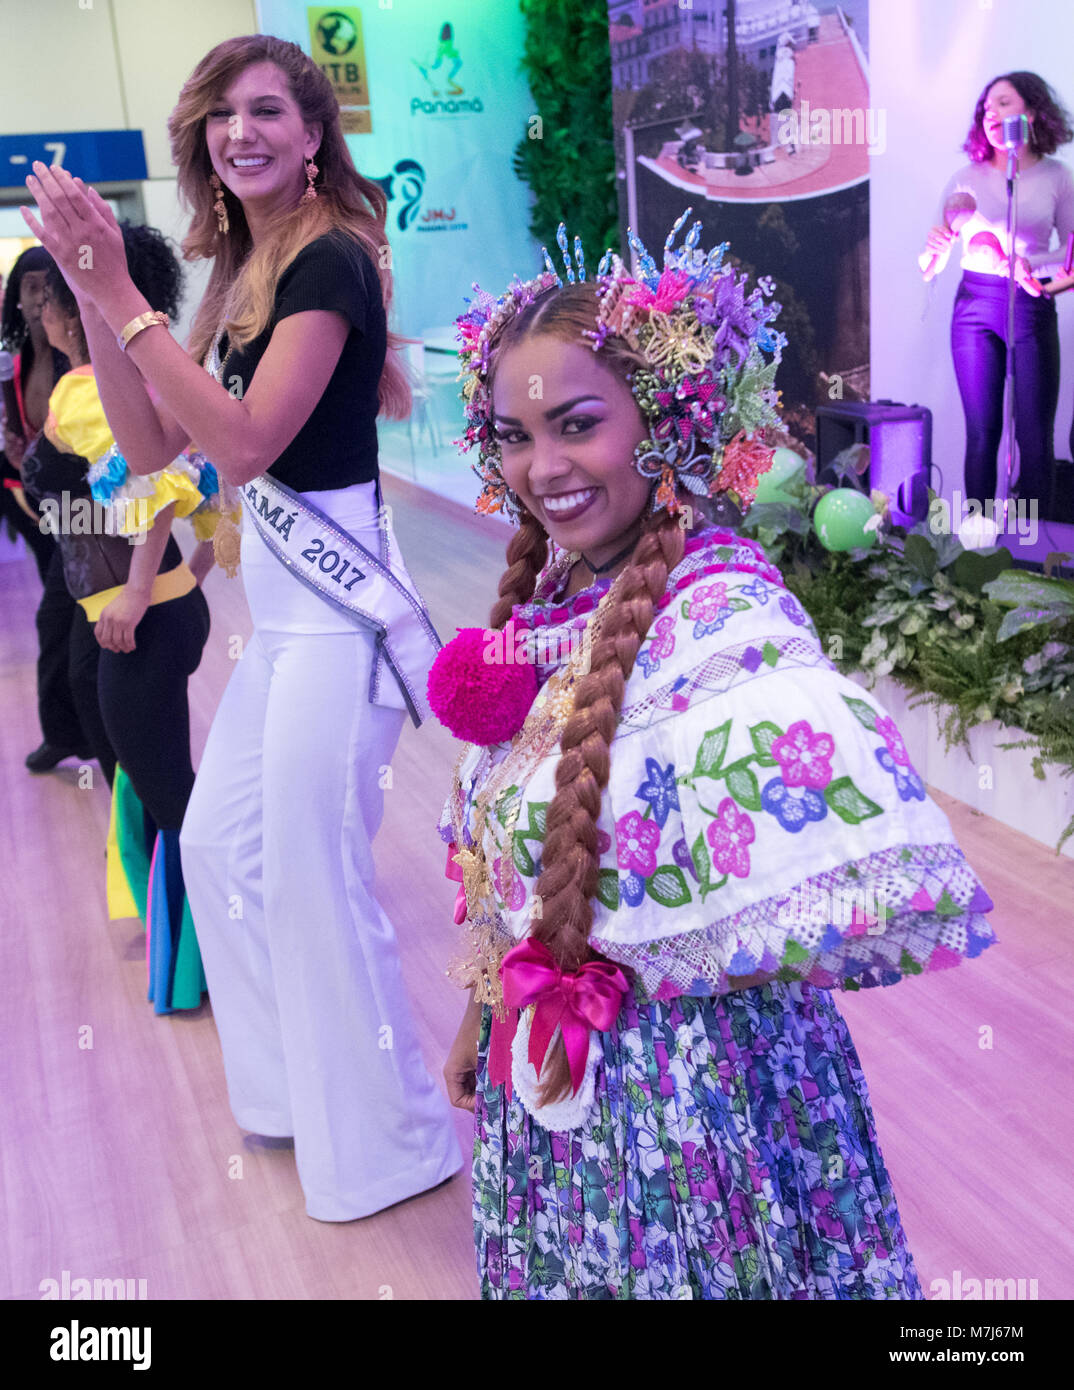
(707,390)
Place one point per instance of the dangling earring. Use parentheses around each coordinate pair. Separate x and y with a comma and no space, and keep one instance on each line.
(219,207)
(311,174)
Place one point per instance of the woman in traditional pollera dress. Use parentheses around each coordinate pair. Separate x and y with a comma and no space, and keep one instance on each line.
(678,827)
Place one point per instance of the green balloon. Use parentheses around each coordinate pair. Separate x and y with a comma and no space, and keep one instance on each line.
(785,465)
(840,517)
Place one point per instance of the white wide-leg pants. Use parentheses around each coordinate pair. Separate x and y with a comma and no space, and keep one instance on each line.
(301,960)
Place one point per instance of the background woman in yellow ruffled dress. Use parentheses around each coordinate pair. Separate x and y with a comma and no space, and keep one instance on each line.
(140,625)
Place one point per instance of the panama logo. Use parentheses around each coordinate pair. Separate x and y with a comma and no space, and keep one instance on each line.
(440,72)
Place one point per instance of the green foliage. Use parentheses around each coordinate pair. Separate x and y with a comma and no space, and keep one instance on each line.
(1034,601)
(568,160)
(961,629)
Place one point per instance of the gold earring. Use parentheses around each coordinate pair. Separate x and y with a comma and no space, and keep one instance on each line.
(311,173)
(219,207)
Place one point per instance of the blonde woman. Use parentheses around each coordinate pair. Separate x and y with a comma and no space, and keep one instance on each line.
(301,960)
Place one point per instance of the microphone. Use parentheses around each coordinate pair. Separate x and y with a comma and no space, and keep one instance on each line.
(1015,137)
(1015,131)
(957,211)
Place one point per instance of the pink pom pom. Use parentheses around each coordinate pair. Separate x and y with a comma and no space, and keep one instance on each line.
(475,692)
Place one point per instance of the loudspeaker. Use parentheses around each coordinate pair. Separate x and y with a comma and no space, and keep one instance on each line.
(1062,499)
(900,450)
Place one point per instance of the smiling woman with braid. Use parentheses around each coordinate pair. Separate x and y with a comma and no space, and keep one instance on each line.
(677,828)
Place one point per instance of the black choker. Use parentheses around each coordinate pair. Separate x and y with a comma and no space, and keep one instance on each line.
(594,570)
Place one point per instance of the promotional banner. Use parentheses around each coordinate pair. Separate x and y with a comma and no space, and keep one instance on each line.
(432,103)
(756,114)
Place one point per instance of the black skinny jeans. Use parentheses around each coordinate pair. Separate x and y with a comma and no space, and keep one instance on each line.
(134,706)
(58,709)
(978,345)
(39,543)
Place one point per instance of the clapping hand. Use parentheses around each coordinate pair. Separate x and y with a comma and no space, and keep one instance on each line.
(79,231)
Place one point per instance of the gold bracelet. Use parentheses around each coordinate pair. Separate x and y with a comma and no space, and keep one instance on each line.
(136,325)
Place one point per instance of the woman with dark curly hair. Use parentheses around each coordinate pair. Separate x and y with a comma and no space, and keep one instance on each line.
(140,621)
(974,203)
(34,371)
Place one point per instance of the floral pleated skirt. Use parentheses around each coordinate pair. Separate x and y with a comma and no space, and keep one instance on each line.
(733,1155)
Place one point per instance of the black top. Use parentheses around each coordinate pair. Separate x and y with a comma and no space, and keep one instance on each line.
(337,446)
(92,560)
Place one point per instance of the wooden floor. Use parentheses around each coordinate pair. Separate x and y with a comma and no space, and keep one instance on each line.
(119,1160)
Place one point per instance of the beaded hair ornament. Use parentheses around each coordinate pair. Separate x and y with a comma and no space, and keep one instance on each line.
(707,389)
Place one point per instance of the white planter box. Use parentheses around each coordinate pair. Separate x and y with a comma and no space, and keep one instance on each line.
(996,781)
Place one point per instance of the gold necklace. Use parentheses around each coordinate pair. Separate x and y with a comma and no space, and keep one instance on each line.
(542,729)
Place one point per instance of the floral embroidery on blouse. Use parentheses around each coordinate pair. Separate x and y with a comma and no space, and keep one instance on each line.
(746,773)
(662,645)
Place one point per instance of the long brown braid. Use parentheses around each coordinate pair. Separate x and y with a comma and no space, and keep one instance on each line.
(570,868)
(527,552)
(570,862)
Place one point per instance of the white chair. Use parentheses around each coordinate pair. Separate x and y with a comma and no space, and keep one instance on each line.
(421,415)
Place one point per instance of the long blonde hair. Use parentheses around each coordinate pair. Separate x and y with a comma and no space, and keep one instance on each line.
(570,870)
(243,278)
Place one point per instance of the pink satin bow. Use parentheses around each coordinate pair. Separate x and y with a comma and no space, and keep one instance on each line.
(578,1002)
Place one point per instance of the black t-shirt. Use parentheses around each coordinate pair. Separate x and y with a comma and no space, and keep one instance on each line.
(337,446)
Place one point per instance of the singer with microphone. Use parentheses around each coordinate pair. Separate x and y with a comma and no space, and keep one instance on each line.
(974,207)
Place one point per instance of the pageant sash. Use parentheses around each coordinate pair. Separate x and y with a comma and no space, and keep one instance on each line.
(367,588)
